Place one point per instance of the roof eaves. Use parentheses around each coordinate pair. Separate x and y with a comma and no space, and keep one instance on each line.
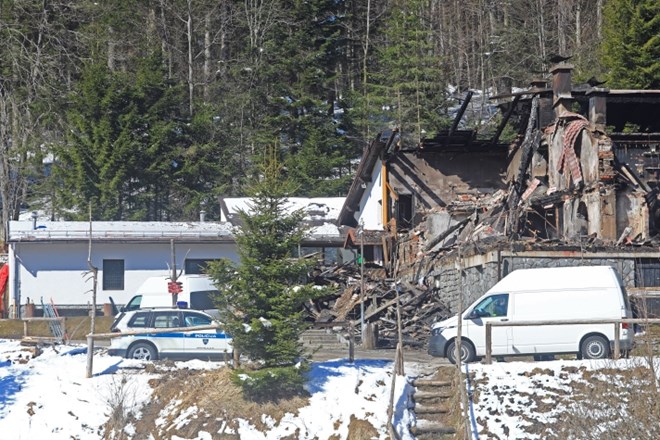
(363,174)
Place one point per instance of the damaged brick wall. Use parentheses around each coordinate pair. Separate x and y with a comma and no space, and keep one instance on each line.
(436,178)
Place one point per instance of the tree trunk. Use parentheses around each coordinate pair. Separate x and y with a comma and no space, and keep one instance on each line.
(207,57)
(599,19)
(4,162)
(578,27)
(191,85)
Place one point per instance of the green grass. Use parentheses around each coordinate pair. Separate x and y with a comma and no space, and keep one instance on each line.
(77,327)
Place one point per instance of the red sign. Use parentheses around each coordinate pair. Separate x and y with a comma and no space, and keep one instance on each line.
(174,287)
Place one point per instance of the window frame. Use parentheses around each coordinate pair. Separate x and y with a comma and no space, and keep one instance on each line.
(114,278)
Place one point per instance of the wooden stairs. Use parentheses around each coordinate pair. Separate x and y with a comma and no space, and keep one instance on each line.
(437,408)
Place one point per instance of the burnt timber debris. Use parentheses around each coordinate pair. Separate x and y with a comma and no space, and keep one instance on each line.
(579,181)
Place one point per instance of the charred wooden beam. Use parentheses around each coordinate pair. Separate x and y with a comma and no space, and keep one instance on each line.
(532,137)
(505,120)
(459,115)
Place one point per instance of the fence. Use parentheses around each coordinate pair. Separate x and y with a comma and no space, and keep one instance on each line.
(615,322)
(60,333)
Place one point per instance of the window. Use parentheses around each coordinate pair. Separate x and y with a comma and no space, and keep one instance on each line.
(404,211)
(492,306)
(193,319)
(328,255)
(139,320)
(134,303)
(647,272)
(197,266)
(166,319)
(202,300)
(113,274)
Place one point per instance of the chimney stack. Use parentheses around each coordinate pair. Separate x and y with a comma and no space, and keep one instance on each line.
(561,88)
(598,107)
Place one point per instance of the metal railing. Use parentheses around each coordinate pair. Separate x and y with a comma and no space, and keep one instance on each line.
(615,322)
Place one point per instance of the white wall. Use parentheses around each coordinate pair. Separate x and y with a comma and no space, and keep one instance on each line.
(371,208)
(56,270)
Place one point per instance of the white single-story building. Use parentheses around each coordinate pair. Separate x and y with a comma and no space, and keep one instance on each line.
(48,259)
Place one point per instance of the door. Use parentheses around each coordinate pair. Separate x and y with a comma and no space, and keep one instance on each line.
(204,343)
(169,343)
(493,308)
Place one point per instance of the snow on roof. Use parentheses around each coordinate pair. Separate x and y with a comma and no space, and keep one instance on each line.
(24,230)
(317,208)
(321,212)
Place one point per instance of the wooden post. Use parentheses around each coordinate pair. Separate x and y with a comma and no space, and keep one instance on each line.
(351,342)
(489,348)
(370,336)
(390,408)
(617,344)
(400,363)
(90,354)
(25,328)
(173,277)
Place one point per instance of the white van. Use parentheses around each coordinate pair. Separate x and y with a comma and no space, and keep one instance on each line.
(565,293)
(197,293)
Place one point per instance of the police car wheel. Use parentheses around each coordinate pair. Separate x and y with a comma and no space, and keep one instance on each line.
(143,351)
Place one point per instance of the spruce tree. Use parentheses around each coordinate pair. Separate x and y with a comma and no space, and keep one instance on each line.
(125,144)
(631,43)
(406,82)
(261,299)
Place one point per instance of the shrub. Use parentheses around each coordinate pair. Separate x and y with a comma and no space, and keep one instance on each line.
(274,383)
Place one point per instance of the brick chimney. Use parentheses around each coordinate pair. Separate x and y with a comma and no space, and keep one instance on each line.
(598,107)
(561,87)
(546,112)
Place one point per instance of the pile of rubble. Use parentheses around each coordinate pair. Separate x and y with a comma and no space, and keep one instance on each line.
(373,300)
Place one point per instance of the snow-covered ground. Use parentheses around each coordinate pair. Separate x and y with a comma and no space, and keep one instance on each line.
(48,396)
(533,400)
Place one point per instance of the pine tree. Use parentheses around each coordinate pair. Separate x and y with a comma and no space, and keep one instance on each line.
(292,82)
(631,43)
(124,145)
(405,87)
(262,299)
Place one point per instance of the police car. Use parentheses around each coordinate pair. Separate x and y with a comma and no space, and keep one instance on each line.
(207,344)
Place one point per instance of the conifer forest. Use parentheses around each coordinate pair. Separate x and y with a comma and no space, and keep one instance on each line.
(149,110)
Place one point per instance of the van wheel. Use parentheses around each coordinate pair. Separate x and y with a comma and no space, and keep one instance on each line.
(467,352)
(142,351)
(595,347)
